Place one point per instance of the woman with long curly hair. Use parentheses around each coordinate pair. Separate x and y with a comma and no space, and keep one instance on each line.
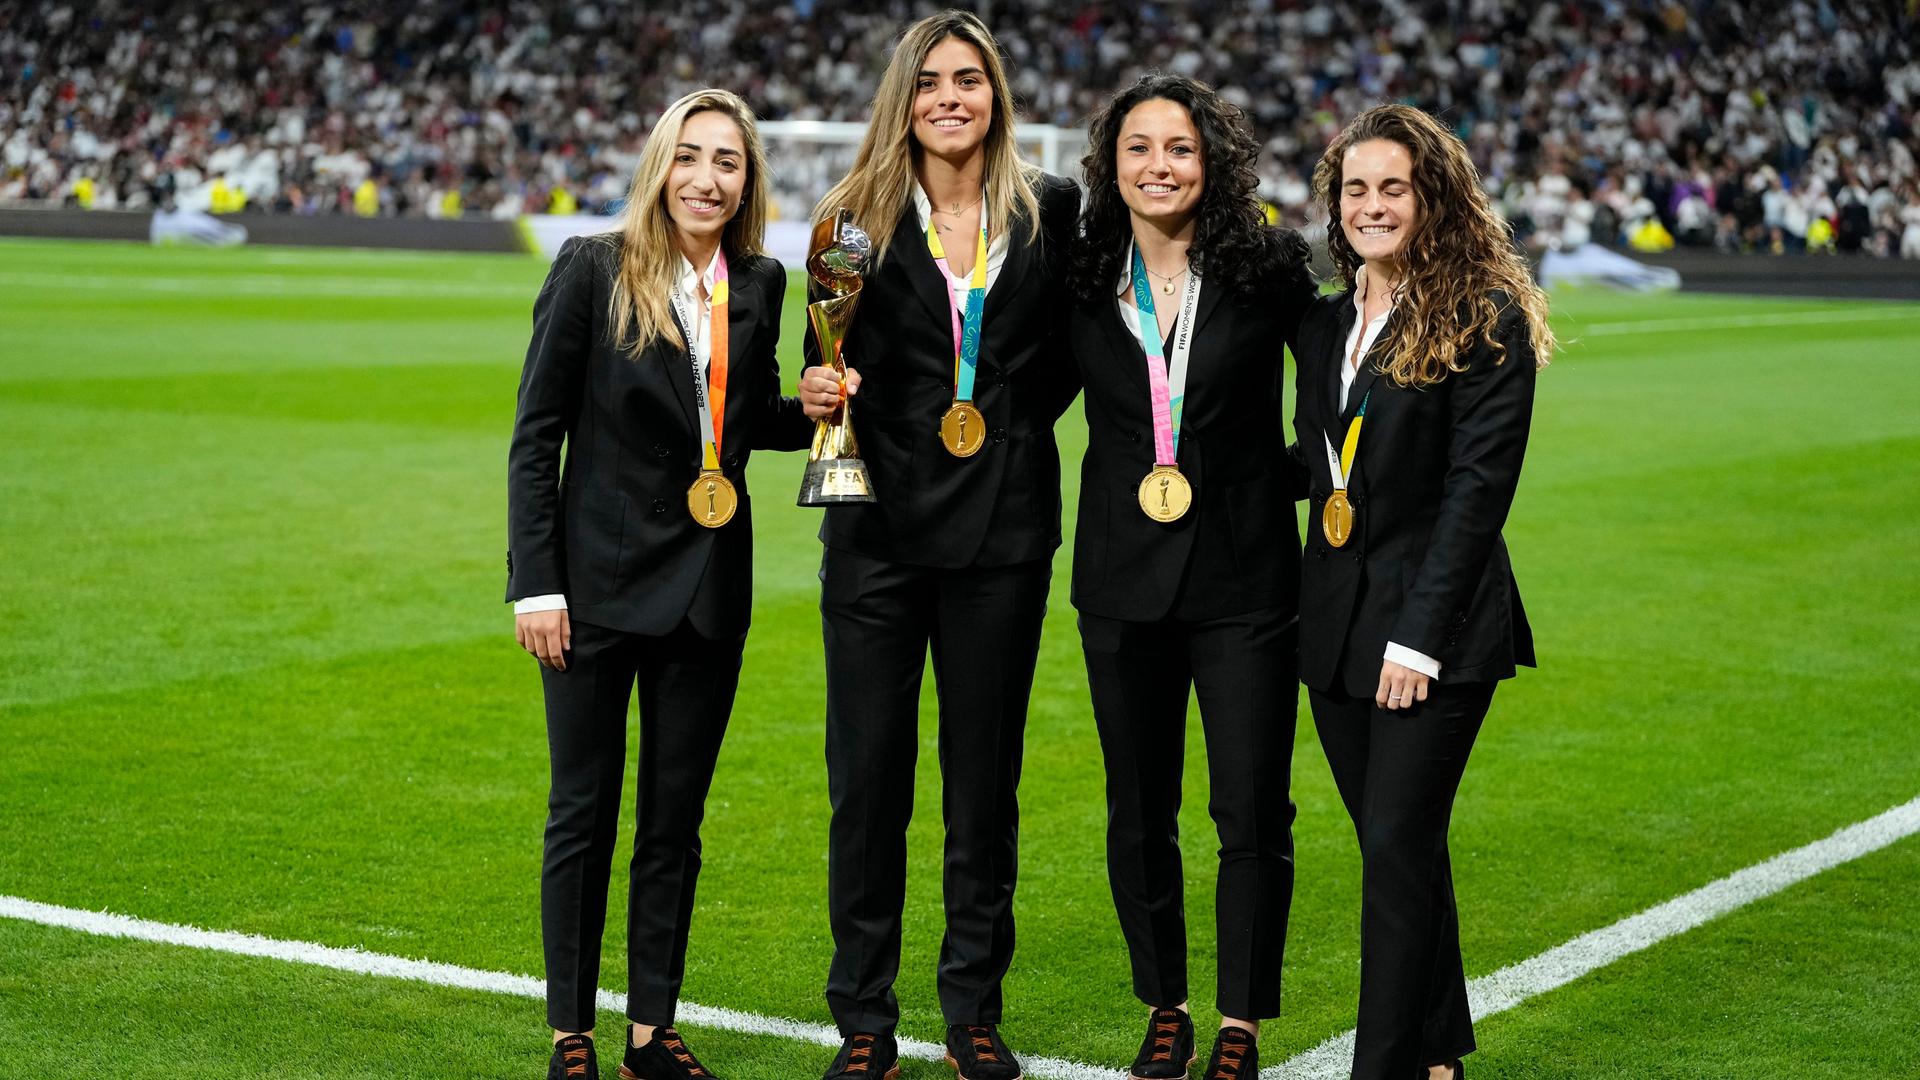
(652,365)
(1415,394)
(1184,298)
(952,357)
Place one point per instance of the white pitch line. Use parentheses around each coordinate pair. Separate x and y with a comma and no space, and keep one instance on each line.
(1558,966)
(359,961)
(1490,994)
(1739,322)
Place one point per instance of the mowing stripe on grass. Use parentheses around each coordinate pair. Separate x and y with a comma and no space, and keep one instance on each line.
(1490,994)
(1558,966)
(213,287)
(1740,322)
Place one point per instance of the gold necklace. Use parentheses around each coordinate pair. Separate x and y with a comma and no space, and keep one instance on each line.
(964,209)
(1166,289)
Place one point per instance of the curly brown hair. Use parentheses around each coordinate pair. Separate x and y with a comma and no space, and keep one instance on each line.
(1457,264)
(1231,242)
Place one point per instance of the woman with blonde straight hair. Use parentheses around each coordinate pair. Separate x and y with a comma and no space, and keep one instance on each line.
(959,380)
(652,364)
(1415,396)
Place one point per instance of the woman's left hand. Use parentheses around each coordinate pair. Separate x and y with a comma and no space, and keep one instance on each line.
(1400,687)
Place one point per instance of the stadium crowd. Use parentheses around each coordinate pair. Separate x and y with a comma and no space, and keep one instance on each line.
(1771,126)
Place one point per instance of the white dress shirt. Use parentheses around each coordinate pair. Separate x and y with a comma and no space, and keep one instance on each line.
(699,286)
(960,286)
(1365,332)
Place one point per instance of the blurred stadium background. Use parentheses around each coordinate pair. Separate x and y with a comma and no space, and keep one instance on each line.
(251,523)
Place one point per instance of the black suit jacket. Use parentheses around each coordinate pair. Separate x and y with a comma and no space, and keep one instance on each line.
(1226,555)
(1002,505)
(612,531)
(1426,567)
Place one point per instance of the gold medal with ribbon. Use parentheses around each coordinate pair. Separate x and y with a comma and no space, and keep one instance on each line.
(1336,517)
(712,499)
(1165,493)
(963,430)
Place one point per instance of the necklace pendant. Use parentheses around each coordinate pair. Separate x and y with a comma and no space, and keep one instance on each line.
(1167,288)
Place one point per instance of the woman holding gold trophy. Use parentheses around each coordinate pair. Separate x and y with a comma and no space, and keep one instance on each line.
(1186,567)
(652,362)
(954,380)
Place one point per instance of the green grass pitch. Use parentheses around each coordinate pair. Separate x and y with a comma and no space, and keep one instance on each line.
(257,676)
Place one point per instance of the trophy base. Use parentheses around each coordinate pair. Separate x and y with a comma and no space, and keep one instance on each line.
(835,480)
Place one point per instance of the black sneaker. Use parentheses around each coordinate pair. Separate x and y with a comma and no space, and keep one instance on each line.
(866,1056)
(1167,1051)
(665,1058)
(573,1060)
(976,1053)
(1235,1056)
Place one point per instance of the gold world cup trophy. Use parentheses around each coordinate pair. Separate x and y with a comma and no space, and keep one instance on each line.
(836,255)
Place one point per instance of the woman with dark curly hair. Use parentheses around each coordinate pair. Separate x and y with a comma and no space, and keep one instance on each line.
(1409,614)
(1184,298)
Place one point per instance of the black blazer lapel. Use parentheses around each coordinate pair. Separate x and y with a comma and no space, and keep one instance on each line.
(1203,310)
(1126,350)
(743,308)
(1337,349)
(679,365)
(929,280)
(1012,272)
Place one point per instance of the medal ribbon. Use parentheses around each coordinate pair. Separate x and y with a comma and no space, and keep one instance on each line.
(1166,381)
(711,418)
(966,332)
(1342,466)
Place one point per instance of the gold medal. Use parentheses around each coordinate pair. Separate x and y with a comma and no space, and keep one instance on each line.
(1336,519)
(1165,494)
(963,430)
(712,500)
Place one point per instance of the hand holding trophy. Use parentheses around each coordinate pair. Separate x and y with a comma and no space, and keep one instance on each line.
(836,256)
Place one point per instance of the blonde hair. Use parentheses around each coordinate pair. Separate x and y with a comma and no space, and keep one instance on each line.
(639,309)
(881,182)
(1459,254)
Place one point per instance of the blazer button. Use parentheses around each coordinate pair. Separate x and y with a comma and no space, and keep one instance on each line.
(732,462)
(1320,553)
(659,451)
(999,379)
(1358,559)
(659,506)
(1358,500)
(998,435)
(1133,436)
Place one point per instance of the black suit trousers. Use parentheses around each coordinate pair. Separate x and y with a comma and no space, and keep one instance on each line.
(983,624)
(687,683)
(1397,773)
(1243,669)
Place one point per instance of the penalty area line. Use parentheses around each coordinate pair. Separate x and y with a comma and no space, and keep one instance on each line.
(1490,994)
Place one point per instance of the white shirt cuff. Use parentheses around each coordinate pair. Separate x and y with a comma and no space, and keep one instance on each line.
(1405,657)
(558,602)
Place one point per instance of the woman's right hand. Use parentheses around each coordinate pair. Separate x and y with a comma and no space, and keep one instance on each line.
(821,391)
(547,635)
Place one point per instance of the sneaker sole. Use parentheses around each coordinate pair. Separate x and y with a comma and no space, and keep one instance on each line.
(964,1076)
(1183,1076)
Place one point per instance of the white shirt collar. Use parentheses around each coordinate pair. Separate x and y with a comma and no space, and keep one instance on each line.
(1360,296)
(690,283)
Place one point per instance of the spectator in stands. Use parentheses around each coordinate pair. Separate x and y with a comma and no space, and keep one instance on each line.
(506,102)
